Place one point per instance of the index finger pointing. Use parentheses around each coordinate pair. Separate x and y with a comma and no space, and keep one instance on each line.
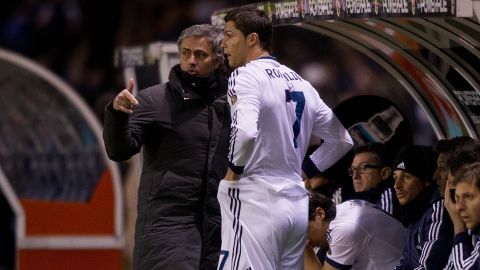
(130,96)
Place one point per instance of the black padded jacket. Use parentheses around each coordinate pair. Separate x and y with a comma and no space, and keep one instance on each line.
(184,128)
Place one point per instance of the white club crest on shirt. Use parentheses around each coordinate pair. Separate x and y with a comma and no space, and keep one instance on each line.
(329,236)
(233,99)
(401,166)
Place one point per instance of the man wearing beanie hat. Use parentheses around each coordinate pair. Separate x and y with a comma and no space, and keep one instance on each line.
(429,229)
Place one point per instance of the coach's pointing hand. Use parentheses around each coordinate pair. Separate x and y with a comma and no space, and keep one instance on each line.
(125,101)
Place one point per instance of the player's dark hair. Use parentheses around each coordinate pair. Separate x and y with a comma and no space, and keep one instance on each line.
(461,153)
(252,20)
(316,200)
(446,145)
(468,172)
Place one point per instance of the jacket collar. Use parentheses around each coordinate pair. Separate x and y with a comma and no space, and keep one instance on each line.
(190,87)
(415,209)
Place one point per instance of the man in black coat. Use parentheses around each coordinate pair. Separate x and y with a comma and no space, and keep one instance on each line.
(183,126)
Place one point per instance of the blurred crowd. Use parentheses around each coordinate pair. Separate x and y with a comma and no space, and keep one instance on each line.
(76,39)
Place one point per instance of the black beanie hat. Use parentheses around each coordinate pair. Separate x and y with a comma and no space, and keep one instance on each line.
(418,160)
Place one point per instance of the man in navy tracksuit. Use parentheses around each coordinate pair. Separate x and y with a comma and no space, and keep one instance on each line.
(464,176)
(429,229)
(371,175)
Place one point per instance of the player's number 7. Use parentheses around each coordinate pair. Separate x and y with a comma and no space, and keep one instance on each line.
(223,259)
(299,98)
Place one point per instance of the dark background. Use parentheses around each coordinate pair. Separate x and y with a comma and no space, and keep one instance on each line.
(76,39)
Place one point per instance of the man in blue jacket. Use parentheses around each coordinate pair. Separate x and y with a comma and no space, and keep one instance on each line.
(371,177)
(429,229)
(464,163)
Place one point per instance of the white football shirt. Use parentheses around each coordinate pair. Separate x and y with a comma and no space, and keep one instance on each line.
(274,114)
(364,237)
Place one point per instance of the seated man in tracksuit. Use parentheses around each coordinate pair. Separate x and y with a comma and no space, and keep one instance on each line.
(371,177)
(464,209)
(429,228)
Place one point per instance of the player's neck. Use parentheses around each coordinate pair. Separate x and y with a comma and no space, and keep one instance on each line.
(261,53)
(257,53)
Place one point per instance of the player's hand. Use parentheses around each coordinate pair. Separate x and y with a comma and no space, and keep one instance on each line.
(231,176)
(449,204)
(458,224)
(125,101)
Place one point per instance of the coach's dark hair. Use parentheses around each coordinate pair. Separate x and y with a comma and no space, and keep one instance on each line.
(252,20)
(316,200)
(213,35)
(468,172)
(375,148)
(463,152)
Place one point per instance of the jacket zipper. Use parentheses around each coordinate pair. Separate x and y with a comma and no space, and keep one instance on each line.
(204,185)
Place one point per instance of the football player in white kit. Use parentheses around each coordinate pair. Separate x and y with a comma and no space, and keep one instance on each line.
(356,233)
(275,113)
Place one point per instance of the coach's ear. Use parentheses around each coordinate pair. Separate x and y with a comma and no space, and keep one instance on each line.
(319,213)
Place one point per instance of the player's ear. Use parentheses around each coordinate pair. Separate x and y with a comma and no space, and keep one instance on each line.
(252,39)
(319,213)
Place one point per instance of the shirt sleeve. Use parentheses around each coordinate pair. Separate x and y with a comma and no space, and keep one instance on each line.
(244,100)
(402,264)
(463,255)
(386,202)
(437,234)
(336,141)
(346,243)
(123,133)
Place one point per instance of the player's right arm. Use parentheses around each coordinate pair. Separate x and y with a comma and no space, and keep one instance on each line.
(310,259)
(244,100)
(312,262)
(336,141)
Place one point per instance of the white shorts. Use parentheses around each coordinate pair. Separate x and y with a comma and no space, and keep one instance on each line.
(261,229)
